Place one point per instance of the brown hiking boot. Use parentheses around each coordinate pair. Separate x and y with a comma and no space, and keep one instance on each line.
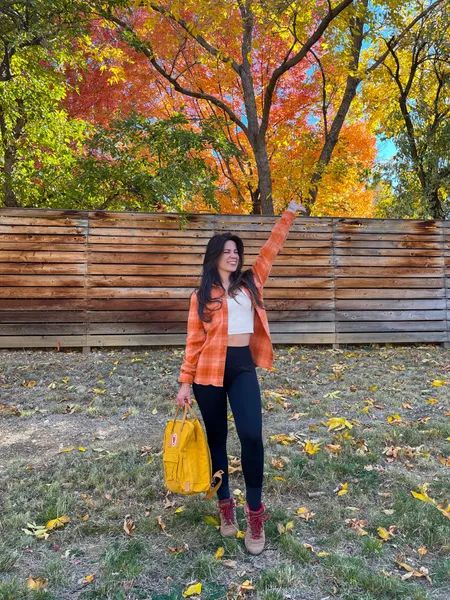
(254,536)
(228,522)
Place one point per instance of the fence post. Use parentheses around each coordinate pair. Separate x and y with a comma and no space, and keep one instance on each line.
(336,344)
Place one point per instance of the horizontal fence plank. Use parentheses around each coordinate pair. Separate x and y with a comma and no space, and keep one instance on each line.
(97,278)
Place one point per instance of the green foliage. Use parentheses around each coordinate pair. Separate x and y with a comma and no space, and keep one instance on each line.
(145,164)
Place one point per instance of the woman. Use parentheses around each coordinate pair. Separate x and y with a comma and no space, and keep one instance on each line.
(227,336)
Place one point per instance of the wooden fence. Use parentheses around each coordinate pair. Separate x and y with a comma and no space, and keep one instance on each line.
(74,278)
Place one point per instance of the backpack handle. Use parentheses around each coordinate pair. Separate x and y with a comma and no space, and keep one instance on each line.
(187,409)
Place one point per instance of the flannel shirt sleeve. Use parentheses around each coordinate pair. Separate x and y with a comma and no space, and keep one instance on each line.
(269,251)
(196,335)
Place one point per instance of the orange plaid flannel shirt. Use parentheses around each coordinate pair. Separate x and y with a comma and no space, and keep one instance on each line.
(206,343)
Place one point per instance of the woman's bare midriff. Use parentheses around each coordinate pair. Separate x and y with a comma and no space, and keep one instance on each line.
(239,339)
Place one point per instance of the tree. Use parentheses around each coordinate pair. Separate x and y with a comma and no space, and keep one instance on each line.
(193,34)
(416,76)
(36,41)
(138,163)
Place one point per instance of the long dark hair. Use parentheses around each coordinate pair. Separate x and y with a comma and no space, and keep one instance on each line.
(210,275)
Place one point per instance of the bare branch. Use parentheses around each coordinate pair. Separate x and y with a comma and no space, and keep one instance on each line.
(198,37)
(147,50)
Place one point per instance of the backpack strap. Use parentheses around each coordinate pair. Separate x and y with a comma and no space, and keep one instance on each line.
(214,485)
(186,410)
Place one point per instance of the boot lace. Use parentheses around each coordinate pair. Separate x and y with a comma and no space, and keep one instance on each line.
(256,522)
(227,510)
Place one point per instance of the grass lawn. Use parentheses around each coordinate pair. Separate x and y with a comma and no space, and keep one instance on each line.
(349,433)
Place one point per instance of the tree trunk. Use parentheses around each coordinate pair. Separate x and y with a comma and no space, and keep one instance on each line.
(331,138)
(10,153)
(264,177)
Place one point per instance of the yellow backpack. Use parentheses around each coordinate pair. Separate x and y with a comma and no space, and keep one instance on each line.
(186,457)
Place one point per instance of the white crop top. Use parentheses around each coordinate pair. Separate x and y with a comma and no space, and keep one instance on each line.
(240,313)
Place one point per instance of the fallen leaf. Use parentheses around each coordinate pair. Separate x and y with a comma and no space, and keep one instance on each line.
(210,520)
(333,448)
(432,401)
(29,383)
(58,522)
(178,549)
(311,447)
(231,564)
(88,579)
(278,463)
(342,489)
(247,585)
(412,572)
(8,410)
(338,423)
(162,525)
(393,419)
(283,438)
(438,382)
(358,525)
(38,531)
(305,513)
(282,529)
(128,525)
(386,534)
(36,583)
(219,552)
(192,590)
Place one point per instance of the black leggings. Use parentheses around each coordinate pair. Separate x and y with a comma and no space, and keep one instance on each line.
(241,385)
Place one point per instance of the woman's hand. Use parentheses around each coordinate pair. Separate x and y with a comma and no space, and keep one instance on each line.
(295,206)
(184,395)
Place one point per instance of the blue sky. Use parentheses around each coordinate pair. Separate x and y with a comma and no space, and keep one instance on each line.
(385,150)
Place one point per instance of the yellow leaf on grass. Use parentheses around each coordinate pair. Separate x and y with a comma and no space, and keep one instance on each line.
(210,520)
(39,531)
(36,583)
(384,533)
(392,419)
(422,494)
(338,423)
(285,528)
(305,513)
(240,535)
(180,509)
(88,579)
(57,523)
(412,572)
(343,489)
(247,585)
(438,382)
(30,383)
(219,552)
(283,438)
(192,590)
(311,447)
